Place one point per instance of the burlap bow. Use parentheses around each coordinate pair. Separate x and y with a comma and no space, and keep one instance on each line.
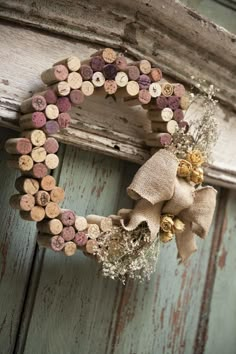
(158,190)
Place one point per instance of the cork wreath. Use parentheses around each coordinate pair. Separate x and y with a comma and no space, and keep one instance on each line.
(169,200)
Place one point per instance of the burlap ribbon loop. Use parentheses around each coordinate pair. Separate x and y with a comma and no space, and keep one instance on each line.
(158,191)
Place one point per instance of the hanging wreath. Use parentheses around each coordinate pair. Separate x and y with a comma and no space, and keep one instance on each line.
(169,199)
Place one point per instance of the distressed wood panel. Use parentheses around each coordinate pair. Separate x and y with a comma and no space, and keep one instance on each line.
(162,30)
(17,245)
(110,128)
(222,317)
(74,307)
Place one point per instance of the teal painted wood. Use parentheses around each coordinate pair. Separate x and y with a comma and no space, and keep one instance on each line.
(222,320)
(74,307)
(17,245)
(162,316)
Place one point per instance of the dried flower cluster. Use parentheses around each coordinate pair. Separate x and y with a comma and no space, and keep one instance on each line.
(169,225)
(124,253)
(190,167)
(203,131)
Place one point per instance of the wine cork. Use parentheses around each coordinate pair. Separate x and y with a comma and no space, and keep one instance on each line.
(167,89)
(51,127)
(169,127)
(69,248)
(49,96)
(179,90)
(132,88)
(109,71)
(24,163)
(63,104)
(80,223)
(98,79)
(144,96)
(74,80)
(92,246)
(124,213)
(52,111)
(38,154)
(121,79)
(61,88)
(132,72)
(39,170)
(86,72)
(33,120)
(80,239)
(55,243)
(42,198)
(22,201)
(155,89)
(108,55)
(178,115)
(72,63)
(17,146)
(110,87)
(48,183)
(145,66)
(52,161)
(184,102)
(55,74)
(52,210)
(121,62)
(37,213)
(115,219)
(97,63)
(51,145)
(161,102)
(64,120)
(35,103)
(104,223)
(183,125)
(52,227)
(27,185)
(144,82)
(93,231)
(36,136)
(156,74)
(173,102)
(76,97)
(160,116)
(68,233)
(87,88)
(158,139)
(67,217)
(57,194)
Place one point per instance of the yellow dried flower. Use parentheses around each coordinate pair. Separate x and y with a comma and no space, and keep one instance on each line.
(197,176)
(166,236)
(195,157)
(166,223)
(184,168)
(178,225)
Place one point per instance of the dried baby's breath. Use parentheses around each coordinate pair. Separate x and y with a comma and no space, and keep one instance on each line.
(128,253)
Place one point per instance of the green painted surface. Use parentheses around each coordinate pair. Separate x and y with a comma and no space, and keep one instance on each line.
(222,321)
(17,244)
(215,11)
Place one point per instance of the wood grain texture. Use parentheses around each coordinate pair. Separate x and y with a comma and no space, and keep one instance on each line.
(120,24)
(94,298)
(113,128)
(17,245)
(222,310)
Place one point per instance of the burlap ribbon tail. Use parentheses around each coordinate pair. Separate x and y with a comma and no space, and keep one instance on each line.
(158,190)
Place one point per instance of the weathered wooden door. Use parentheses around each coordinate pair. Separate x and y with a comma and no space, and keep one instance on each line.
(52,304)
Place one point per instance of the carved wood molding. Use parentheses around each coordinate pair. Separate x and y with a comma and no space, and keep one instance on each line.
(171,35)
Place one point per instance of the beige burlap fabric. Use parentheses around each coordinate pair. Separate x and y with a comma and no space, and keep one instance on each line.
(160,191)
